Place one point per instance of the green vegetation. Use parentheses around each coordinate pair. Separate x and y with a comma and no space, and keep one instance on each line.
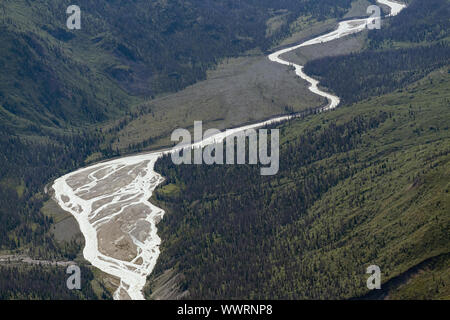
(371,73)
(239,90)
(424,21)
(405,49)
(54,77)
(30,165)
(40,282)
(366,184)
(64,95)
(426,280)
(431,281)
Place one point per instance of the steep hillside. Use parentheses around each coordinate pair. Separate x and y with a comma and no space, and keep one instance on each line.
(52,76)
(59,89)
(366,184)
(406,48)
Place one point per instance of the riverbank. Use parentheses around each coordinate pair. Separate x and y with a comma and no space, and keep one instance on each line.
(109,200)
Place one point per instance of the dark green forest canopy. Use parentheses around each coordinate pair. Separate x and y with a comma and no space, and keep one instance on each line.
(55,84)
(54,81)
(43,282)
(366,184)
(423,21)
(405,49)
(358,76)
(25,167)
(53,76)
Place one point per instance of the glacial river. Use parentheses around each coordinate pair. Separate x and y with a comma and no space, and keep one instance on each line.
(109,200)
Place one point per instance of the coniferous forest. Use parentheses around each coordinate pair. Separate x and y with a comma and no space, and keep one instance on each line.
(60,88)
(413,44)
(349,194)
(367,75)
(365,184)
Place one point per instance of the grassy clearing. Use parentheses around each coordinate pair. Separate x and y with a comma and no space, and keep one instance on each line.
(359,9)
(350,44)
(306,27)
(239,90)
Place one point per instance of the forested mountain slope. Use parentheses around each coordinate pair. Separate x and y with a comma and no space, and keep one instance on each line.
(31,282)
(366,184)
(405,49)
(52,76)
(58,88)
